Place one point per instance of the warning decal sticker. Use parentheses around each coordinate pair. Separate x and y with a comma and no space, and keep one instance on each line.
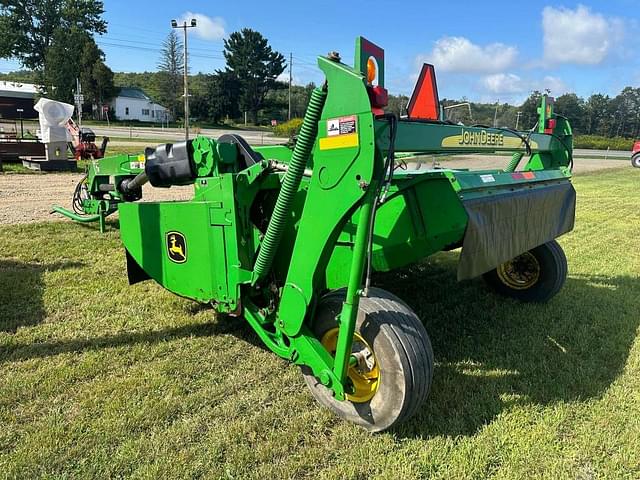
(137,164)
(342,132)
(342,126)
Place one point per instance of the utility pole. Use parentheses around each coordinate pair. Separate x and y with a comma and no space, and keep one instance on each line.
(79,100)
(290,75)
(184,26)
(495,115)
(518,119)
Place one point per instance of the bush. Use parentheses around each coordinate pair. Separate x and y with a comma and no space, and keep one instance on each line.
(288,129)
(597,142)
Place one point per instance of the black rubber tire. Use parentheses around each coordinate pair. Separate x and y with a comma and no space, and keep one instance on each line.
(553,274)
(635,160)
(402,349)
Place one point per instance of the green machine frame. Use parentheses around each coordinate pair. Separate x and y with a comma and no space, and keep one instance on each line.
(271,228)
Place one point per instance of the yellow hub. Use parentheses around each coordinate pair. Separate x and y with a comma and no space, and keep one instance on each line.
(365,375)
(520,273)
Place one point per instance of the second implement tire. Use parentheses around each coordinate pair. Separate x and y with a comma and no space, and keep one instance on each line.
(635,160)
(397,376)
(535,276)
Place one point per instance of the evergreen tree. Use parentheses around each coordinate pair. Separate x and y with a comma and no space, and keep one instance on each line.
(222,96)
(256,66)
(171,74)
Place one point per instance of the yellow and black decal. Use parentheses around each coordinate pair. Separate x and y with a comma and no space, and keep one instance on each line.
(342,132)
(176,247)
(474,138)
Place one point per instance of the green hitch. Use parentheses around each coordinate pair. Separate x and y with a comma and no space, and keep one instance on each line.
(75,217)
(515,161)
(290,185)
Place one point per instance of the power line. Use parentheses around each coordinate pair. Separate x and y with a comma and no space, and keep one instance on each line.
(156,50)
(155,44)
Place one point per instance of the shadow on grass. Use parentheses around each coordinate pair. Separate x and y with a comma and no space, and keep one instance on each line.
(47,349)
(21,289)
(493,353)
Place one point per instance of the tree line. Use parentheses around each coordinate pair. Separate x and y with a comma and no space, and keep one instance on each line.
(54,41)
(248,83)
(598,114)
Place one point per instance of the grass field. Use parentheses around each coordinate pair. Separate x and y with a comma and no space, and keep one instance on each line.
(103,380)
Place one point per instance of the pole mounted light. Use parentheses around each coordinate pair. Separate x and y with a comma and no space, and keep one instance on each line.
(184,26)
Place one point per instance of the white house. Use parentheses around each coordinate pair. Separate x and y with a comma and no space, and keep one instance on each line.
(131,103)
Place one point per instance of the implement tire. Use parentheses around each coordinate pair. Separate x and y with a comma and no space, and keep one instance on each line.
(396,378)
(535,276)
(635,160)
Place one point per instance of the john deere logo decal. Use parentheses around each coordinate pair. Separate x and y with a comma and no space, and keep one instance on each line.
(176,247)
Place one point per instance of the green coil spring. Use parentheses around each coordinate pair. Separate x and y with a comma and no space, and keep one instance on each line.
(515,160)
(290,185)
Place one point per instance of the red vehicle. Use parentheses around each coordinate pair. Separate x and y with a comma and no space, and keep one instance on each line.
(635,155)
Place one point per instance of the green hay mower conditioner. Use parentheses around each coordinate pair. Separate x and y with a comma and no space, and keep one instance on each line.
(287,237)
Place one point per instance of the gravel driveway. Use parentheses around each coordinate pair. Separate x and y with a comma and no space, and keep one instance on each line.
(26,198)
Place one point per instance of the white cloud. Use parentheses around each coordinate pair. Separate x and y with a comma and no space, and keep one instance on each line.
(207,28)
(508,84)
(554,84)
(578,36)
(460,55)
(503,83)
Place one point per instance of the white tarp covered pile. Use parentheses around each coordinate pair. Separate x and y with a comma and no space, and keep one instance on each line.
(53,118)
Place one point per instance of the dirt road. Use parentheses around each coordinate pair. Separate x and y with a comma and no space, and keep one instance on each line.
(581,165)
(28,198)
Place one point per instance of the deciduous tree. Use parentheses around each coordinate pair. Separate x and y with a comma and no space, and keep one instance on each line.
(28,27)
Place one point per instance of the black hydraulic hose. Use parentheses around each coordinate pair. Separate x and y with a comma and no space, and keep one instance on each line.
(569,150)
(79,195)
(290,184)
(524,139)
(382,189)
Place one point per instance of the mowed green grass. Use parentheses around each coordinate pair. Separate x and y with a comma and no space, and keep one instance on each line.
(102,380)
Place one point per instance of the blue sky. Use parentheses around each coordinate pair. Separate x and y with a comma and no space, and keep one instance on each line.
(482,50)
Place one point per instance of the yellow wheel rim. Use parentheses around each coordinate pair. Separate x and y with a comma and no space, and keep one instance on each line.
(520,273)
(365,375)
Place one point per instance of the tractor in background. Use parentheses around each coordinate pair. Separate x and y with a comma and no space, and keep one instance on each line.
(635,154)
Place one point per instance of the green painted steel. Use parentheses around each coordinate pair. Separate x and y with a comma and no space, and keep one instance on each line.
(74,216)
(290,184)
(268,232)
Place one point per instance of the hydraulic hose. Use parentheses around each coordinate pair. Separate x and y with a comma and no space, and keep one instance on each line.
(290,185)
(515,160)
